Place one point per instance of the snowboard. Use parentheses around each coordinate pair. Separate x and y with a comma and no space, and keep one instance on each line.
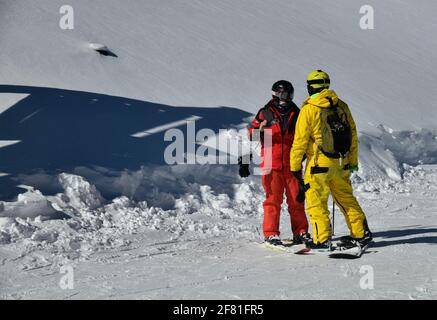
(288,246)
(301,249)
(352,253)
(340,253)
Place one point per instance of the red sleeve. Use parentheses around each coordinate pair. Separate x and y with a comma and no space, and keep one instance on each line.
(256,122)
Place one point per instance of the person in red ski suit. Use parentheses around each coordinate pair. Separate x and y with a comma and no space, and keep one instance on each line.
(278,119)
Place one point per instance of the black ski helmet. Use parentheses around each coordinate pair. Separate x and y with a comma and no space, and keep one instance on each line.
(282,90)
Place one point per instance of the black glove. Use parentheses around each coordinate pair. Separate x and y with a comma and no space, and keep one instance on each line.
(244,171)
(301,195)
(297,174)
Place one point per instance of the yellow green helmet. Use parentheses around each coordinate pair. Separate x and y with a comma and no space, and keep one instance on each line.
(317,81)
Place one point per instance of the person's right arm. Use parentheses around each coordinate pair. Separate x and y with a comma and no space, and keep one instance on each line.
(257,124)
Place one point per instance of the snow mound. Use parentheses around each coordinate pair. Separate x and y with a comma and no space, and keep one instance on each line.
(391,152)
(78,193)
(94,225)
(30,204)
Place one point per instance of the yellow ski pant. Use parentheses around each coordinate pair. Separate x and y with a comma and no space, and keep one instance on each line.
(322,176)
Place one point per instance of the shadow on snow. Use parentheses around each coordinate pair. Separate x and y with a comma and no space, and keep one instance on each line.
(404,237)
(63,129)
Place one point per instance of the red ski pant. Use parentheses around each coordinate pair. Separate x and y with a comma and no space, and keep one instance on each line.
(274,185)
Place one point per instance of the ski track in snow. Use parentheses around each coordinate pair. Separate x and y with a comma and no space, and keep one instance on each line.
(157,264)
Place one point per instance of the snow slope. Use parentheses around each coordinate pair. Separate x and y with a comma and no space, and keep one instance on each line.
(83,183)
(209,53)
(127,250)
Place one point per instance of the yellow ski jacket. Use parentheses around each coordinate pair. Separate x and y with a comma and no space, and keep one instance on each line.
(308,129)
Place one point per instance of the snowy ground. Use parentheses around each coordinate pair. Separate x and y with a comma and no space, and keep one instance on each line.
(83,183)
(212,254)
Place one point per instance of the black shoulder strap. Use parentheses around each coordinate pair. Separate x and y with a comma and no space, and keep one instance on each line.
(331,103)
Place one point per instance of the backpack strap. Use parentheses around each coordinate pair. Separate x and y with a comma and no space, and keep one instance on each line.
(331,103)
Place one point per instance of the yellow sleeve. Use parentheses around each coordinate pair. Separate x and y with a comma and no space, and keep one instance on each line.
(302,137)
(353,152)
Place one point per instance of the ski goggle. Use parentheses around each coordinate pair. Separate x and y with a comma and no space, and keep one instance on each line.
(325,82)
(282,95)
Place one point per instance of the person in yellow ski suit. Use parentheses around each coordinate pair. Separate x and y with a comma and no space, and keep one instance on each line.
(325,172)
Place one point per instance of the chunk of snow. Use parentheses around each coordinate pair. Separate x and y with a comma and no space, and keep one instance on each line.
(28,205)
(79,193)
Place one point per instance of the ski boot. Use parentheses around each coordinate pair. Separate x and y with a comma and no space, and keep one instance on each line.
(302,238)
(273,240)
(348,242)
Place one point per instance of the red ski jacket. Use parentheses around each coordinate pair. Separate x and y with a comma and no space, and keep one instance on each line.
(282,134)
